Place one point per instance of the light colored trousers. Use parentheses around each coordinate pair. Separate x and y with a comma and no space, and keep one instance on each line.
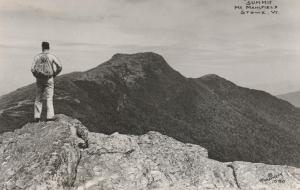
(44,89)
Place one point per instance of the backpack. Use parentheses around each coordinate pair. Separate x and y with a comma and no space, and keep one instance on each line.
(43,67)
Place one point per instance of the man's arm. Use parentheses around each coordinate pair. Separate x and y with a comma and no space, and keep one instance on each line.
(58,65)
(33,64)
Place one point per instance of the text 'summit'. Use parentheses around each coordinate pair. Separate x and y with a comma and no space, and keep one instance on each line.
(257,7)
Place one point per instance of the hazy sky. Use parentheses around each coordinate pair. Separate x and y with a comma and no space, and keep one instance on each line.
(196,37)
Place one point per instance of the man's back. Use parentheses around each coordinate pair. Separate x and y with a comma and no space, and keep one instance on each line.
(56,65)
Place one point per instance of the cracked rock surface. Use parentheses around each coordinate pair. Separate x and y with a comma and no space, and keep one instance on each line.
(64,155)
(40,156)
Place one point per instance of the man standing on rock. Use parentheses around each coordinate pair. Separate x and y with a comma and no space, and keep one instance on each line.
(45,68)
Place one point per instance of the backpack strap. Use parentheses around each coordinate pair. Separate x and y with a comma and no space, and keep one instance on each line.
(51,63)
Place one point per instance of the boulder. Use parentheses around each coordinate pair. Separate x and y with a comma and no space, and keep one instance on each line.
(40,156)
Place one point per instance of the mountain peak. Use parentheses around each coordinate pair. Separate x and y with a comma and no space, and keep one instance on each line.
(214,78)
(135,65)
(211,77)
(217,82)
(143,59)
(137,55)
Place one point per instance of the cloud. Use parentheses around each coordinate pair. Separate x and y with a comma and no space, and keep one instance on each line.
(193,23)
(192,34)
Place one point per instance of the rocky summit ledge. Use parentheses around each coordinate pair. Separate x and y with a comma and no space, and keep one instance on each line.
(63,154)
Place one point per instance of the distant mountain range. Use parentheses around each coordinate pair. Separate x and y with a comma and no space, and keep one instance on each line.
(137,93)
(293,98)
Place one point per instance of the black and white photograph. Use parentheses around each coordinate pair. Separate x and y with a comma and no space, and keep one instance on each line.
(149,95)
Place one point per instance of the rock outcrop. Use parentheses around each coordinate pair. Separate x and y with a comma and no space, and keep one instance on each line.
(63,154)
